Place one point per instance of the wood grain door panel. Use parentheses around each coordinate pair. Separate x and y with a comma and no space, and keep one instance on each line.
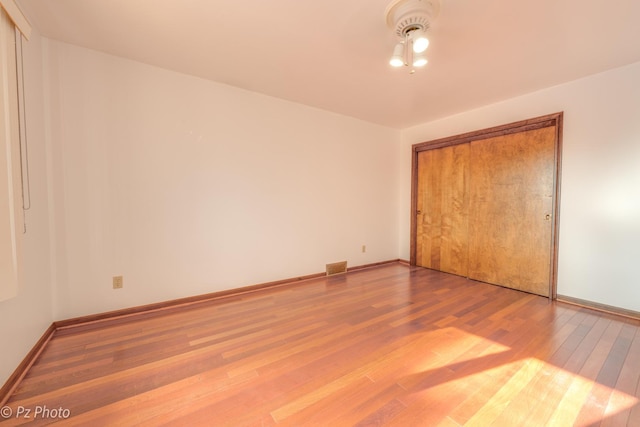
(510,221)
(442,209)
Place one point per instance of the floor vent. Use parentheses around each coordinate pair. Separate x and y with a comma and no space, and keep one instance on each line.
(336,268)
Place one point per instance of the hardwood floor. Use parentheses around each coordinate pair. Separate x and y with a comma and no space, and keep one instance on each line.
(391,345)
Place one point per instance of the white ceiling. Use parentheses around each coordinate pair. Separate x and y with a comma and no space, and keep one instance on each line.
(333,54)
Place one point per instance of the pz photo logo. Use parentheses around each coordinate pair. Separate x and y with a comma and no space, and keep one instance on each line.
(37,412)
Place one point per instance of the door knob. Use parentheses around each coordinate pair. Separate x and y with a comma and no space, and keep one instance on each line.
(547,217)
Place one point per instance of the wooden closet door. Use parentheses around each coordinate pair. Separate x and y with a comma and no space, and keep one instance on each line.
(442,209)
(510,221)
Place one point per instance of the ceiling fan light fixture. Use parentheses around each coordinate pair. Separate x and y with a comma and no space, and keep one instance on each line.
(410,20)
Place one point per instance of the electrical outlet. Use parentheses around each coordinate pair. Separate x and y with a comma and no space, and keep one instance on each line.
(364,248)
(117,282)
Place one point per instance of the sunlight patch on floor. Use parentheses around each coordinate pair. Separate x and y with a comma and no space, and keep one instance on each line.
(453,344)
(472,380)
(529,390)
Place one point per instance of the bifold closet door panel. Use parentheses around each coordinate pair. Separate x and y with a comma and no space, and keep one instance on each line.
(442,209)
(510,205)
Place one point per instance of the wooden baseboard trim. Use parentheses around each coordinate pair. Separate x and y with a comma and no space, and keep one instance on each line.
(19,373)
(372,265)
(92,321)
(599,307)
(95,320)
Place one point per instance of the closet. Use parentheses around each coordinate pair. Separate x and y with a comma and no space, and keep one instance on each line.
(485,204)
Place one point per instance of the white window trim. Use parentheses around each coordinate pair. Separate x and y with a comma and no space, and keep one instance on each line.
(11,218)
(15,14)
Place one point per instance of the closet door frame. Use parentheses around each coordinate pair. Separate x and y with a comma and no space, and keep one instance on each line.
(549,120)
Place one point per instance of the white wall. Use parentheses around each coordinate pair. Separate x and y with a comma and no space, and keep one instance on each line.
(25,318)
(186,186)
(599,247)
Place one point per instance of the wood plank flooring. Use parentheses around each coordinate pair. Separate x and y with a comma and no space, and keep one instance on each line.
(392,345)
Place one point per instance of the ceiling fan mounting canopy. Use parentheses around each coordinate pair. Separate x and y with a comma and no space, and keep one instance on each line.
(406,16)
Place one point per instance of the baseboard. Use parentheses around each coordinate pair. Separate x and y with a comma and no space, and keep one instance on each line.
(117,316)
(95,321)
(17,376)
(600,307)
(373,265)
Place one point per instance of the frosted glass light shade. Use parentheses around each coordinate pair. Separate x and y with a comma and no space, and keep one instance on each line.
(397,60)
(419,60)
(420,41)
